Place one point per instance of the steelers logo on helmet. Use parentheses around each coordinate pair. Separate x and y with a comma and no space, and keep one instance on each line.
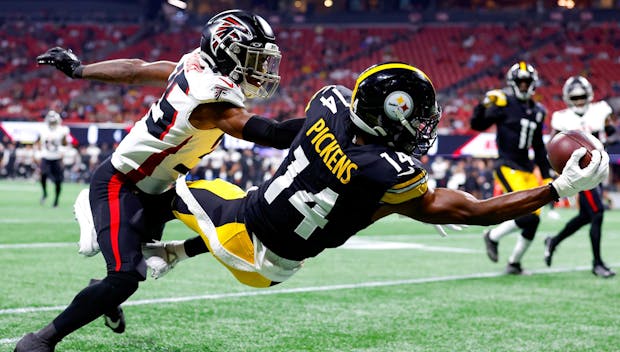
(398,104)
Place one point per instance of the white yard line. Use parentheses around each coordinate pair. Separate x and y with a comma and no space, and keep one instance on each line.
(270,292)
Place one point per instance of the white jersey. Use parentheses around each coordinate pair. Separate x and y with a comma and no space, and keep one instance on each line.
(592,122)
(52,141)
(164,144)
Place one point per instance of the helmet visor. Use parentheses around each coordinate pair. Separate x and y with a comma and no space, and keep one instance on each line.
(424,131)
(261,71)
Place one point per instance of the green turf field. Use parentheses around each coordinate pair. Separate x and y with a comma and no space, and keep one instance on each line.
(398,287)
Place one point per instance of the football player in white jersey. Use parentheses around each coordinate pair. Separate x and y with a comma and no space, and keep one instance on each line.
(594,118)
(52,139)
(130,192)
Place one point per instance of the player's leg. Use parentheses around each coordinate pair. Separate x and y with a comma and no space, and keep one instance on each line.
(572,226)
(43,179)
(493,235)
(593,205)
(517,180)
(57,176)
(114,207)
(213,209)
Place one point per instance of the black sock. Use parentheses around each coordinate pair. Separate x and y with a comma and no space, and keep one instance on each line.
(195,246)
(95,300)
(595,238)
(571,227)
(44,185)
(58,189)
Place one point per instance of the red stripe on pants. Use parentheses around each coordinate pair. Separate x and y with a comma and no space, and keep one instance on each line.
(591,201)
(114,188)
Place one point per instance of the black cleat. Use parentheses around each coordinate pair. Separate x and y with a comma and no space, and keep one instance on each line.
(33,343)
(515,269)
(116,320)
(491,246)
(602,271)
(548,251)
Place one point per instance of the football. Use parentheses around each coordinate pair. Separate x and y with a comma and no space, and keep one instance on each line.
(562,145)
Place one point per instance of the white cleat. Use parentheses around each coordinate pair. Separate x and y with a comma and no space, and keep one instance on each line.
(88,236)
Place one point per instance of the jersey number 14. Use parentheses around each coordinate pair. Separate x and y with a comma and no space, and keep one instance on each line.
(314,216)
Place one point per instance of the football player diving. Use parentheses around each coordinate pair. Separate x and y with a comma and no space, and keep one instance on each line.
(204,98)
(353,162)
(519,123)
(594,118)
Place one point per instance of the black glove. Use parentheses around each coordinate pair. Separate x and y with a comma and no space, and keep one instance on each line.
(64,60)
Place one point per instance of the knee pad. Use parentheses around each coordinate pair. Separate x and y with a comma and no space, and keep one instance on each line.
(529,224)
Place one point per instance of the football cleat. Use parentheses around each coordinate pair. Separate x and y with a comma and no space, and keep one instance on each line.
(602,271)
(33,343)
(548,251)
(161,257)
(115,320)
(515,269)
(491,246)
(88,245)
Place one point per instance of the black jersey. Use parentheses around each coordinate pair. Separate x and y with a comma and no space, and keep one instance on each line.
(519,127)
(328,187)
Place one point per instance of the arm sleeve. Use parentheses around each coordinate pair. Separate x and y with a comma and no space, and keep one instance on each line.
(540,154)
(270,133)
(479,120)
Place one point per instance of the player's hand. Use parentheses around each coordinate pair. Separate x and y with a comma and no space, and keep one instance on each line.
(495,96)
(442,232)
(63,59)
(574,179)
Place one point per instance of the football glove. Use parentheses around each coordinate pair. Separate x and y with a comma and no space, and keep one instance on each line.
(64,60)
(574,179)
(161,257)
(495,96)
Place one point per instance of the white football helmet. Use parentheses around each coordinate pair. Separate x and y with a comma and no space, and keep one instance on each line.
(577,94)
(52,118)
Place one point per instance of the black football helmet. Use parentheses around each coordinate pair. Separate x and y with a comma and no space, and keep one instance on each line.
(242,46)
(577,94)
(395,104)
(519,73)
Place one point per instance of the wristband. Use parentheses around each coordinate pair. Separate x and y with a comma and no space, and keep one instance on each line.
(77,72)
(554,193)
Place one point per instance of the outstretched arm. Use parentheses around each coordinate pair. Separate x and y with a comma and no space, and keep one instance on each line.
(128,71)
(445,206)
(242,124)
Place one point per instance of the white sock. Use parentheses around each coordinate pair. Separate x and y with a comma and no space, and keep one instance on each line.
(503,229)
(520,248)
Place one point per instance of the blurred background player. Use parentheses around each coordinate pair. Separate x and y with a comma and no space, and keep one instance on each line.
(519,122)
(53,138)
(594,118)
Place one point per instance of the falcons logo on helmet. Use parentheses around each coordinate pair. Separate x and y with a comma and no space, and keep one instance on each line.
(228,27)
